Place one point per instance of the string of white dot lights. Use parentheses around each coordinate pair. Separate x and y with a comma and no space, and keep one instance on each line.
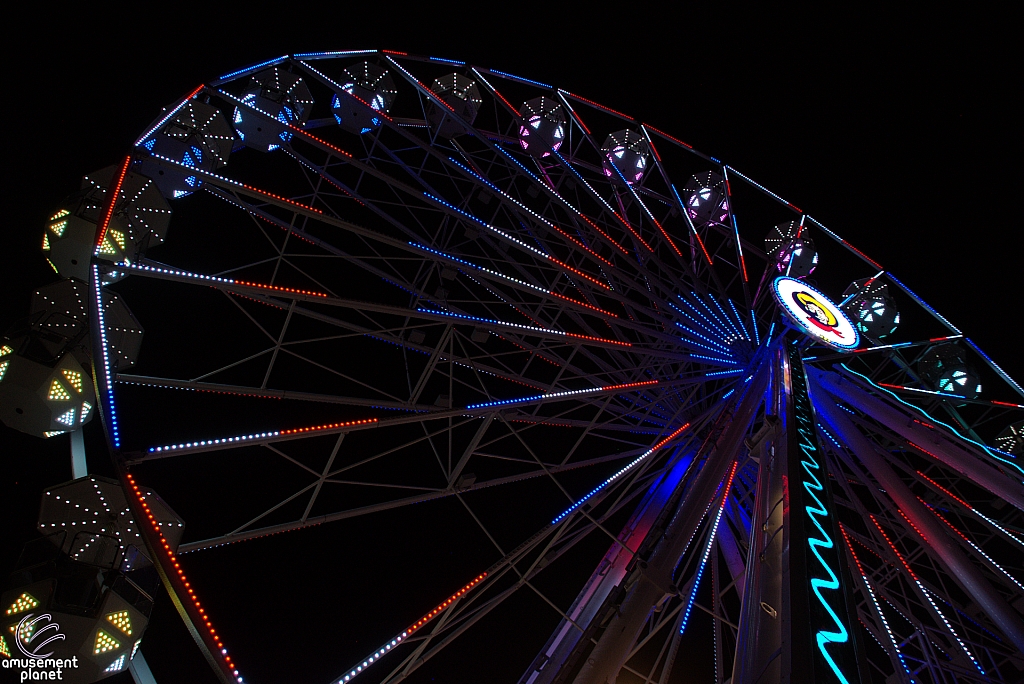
(105,349)
(567,393)
(1007,533)
(927,595)
(519,326)
(878,608)
(974,546)
(386,648)
(239,439)
(519,242)
(517,281)
(626,468)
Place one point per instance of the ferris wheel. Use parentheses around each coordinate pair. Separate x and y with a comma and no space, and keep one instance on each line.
(661,422)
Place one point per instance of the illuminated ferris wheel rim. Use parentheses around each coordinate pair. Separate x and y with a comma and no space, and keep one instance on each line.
(668,433)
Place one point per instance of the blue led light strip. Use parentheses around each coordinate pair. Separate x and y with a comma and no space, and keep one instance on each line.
(518,78)
(920,301)
(246,70)
(322,55)
(707,550)
(1005,376)
(620,472)
(98,291)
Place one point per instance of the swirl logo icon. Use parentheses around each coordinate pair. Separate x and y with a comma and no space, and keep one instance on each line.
(32,638)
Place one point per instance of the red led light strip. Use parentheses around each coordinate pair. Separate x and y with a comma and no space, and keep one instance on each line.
(598,339)
(1006,403)
(666,236)
(606,235)
(911,523)
(451,599)
(395,52)
(922,449)
(599,106)
(635,234)
(666,135)
(222,652)
(578,272)
(580,120)
(329,426)
(947,492)
(280,289)
(644,383)
(112,193)
(320,141)
(507,103)
(583,304)
(653,149)
(865,256)
(583,246)
(702,247)
(849,545)
(435,96)
(893,547)
(280,198)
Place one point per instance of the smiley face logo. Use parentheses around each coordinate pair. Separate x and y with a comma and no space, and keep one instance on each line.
(818,313)
(814,314)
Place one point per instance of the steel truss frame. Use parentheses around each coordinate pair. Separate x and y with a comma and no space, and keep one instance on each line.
(542,296)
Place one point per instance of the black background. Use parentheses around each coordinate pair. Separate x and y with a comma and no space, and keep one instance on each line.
(896,131)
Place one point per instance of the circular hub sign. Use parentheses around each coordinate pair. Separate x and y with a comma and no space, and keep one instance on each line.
(815,314)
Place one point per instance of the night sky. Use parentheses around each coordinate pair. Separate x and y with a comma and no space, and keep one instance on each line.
(893,131)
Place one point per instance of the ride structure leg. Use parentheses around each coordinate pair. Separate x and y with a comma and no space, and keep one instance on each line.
(933,538)
(653,581)
(796,622)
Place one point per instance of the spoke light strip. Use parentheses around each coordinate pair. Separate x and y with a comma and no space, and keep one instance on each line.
(568,393)
(196,171)
(111,203)
(336,53)
(540,218)
(498,274)
(246,70)
(878,608)
(114,431)
(547,331)
(184,580)
(927,595)
(379,653)
(735,225)
(707,550)
(973,545)
(602,199)
(623,470)
(564,201)
(226,281)
(518,242)
(644,206)
(167,117)
(693,228)
(260,436)
(987,449)
(948,394)
(974,510)
(993,364)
